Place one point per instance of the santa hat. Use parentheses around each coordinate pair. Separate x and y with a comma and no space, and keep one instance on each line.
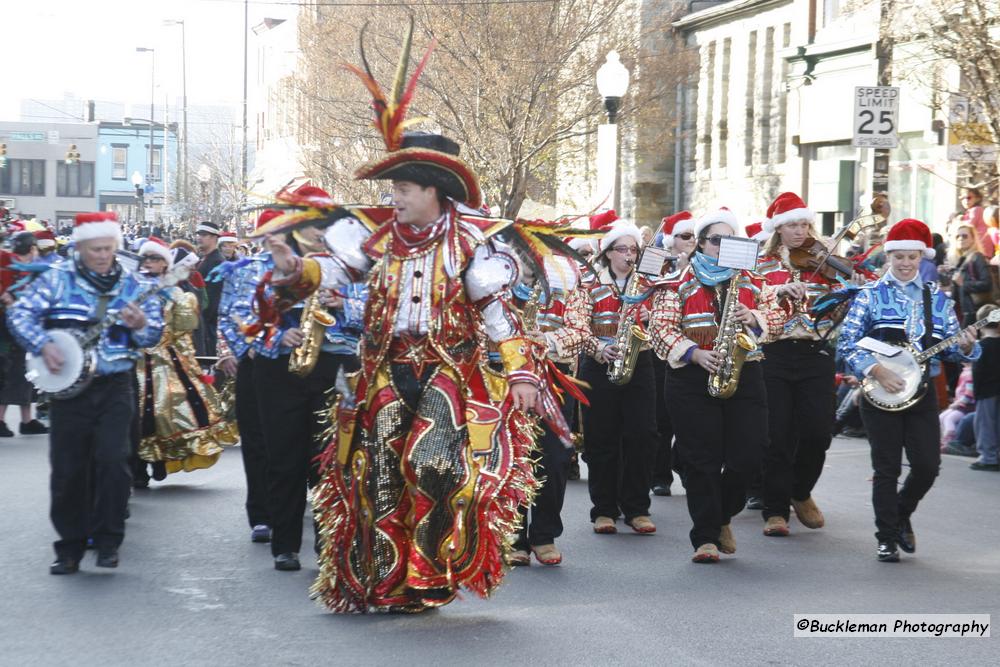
(787,207)
(617,231)
(228,237)
(723,215)
(756,232)
(910,234)
(676,224)
(46,239)
(181,256)
(100,225)
(266,216)
(155,246)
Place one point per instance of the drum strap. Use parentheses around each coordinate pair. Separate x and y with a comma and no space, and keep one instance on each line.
(928,339)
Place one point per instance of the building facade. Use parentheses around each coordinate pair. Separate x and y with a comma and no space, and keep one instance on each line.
(124,155)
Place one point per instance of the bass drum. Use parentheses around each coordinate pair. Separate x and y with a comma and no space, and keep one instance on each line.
(75,373)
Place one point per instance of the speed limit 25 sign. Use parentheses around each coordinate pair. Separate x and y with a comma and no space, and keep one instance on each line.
(876,116)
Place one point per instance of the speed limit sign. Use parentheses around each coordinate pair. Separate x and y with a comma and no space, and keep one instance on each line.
(876,117)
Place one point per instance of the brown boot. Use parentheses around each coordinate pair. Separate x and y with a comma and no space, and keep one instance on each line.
(547,554)
(604,525)
(808,514)
(642,524)
(518,557)
(727,541)
(776,526)
(706,553)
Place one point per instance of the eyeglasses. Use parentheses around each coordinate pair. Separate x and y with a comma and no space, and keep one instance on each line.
(686,236)
(625,249)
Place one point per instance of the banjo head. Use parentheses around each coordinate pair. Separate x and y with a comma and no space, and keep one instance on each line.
(73,364)
(906,367)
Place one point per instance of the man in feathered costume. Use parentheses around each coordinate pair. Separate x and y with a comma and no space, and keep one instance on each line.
(430,454)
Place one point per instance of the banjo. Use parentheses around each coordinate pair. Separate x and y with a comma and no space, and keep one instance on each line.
(79,347)
(909,364)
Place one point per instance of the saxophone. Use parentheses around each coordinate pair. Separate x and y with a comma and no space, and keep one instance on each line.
(732,343)
(529,313)
(630,337)
(315,320)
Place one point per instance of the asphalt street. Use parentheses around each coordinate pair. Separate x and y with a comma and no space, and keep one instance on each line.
(193,590)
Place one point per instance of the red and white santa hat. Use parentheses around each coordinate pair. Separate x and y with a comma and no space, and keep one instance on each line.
(99,225)
(614,229)
(910,234)
(723,215)
(756,232)
(228,237)
(677,224)
(45,238)
(787,207)
(155,246)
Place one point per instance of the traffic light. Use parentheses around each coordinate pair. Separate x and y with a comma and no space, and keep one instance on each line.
(72,155)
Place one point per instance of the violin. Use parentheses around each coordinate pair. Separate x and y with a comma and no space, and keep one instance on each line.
(814,257)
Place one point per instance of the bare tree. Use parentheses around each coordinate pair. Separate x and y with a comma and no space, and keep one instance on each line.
(513,83)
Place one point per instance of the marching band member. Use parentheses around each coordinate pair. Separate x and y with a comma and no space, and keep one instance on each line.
(90,431)
(180,419)
(798,373)
(538,532)
(619,424)
(719,439)
(898,309)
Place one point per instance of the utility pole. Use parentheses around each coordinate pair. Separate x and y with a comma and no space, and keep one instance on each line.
(883,56)
(246,33)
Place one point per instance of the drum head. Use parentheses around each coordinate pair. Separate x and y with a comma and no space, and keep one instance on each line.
(72,367)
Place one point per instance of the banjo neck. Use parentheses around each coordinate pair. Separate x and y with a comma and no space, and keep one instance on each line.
(948,342)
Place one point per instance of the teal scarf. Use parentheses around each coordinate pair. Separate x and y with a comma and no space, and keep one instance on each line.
(708,271)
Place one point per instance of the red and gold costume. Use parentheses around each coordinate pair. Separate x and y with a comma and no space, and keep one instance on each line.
(798,323)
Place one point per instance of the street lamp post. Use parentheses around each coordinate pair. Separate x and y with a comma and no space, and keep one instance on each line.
(612,82)
(152,103)
(184,169)
(137,182)
(204,175)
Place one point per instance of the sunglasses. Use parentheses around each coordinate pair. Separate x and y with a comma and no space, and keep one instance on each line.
(715,239)
(686,236)
(626,249)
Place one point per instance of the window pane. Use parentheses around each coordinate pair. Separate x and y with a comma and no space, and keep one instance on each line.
(87,179)
(62,179)
(38,177)
(119,167)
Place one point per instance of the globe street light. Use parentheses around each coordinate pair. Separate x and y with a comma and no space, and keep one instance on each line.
(612,82)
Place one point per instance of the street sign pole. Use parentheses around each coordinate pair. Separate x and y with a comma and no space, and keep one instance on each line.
(883,53)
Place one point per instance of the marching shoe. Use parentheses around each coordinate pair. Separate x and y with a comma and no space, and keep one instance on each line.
(65,565)
(260,533)
(159,470)
(34,427)
(5,431)
(776,526)
(907,540)
(887,553)
(518,557)
(288,562)
(547,554)
(706,553)
(993,467)
(755,503)
(661,489)
(727,541)
(107,558)
(605,525)
(642,525)
(808,514)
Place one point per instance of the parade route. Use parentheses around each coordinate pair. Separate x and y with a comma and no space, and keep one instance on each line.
(193,590)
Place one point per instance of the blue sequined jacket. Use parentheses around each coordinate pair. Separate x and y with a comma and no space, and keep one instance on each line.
(881,310)
(61,299)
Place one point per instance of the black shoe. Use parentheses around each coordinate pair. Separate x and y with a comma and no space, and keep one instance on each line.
(260,533)
(993,467)
(107,558)
(287,562)
(574,470)
(5,431)
(851,432)
(159,470)
(755,503)
(140,483)
(65,565)
(660,489)
(907,540)
(887,553)
(959,450)
(34,427)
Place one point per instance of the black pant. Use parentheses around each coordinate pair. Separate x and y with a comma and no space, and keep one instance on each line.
(916,430)
(620,431)
(552,466)
(662,469)
(252,444)
(89,452)
(720,440)
(798,375)
(289,407)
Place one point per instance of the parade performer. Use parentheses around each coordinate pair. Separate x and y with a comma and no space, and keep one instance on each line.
(180,417)
(619,424)
(897,308)
(798,372)
(430,460)
(90,432)
(717,402)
